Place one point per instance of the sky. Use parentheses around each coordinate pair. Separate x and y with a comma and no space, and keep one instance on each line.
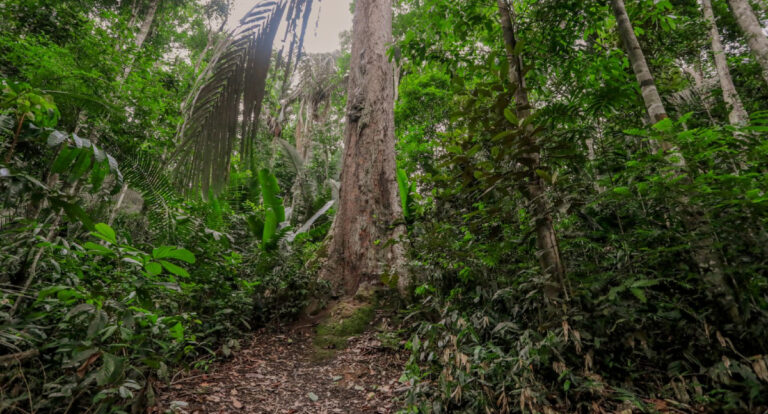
(334,18)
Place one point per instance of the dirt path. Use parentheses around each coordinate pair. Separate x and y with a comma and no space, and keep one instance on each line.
(280,374)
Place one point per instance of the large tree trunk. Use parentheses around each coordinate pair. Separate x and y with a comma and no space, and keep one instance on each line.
(737,114)
(753,31)
(360,249)
(546,238)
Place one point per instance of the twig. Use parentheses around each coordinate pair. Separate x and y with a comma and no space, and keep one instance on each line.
(18,357)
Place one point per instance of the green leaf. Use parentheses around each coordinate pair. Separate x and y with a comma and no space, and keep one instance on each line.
(153,268)
(511,117)
(639,293)
(404,188)
(622,190)
(665,125)
(98,174)
(111,370)
(82,164)
(177,331)
(176,270)
(98,249)
(74,212)
(269,191)
(106,232)
(270,228)
(170,252)
(64,160)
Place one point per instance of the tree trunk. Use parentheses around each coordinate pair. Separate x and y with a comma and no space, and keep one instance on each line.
(360,250)
(546,238)
(651,97)
(303,189)
(146,25)
(753,31)
(703,248)
(736,115)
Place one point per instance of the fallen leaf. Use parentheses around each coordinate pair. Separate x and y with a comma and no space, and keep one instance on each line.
(236,403)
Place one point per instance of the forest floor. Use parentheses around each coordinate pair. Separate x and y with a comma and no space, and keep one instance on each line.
(285,373)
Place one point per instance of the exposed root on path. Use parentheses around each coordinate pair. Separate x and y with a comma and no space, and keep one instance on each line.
(281,374)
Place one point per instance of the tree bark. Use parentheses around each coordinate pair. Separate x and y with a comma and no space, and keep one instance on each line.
(364,241)
(146,25)
(550,259)
(651,97)
(753,31)
(736,115)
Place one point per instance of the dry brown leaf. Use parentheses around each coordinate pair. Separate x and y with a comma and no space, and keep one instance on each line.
(84,367)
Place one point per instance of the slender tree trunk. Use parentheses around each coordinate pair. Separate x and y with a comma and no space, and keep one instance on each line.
(703,247)
(651,97)
(210,44)
(736,115)
(360,248)
(146,25)
(303,189)
(118,204)
(753,31)
(546,238)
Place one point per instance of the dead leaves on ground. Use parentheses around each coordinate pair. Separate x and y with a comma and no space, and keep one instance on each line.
(277,374)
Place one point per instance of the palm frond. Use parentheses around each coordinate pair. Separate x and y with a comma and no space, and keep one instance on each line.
(6,125)
(306,226)
(292,155)
(147,176)
(227,105)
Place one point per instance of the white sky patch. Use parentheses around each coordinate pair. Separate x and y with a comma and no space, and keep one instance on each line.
(328,20)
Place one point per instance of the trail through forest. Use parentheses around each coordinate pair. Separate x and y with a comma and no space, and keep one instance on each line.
(283,373)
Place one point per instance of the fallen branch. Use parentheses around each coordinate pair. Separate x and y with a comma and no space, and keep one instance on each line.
(18,357)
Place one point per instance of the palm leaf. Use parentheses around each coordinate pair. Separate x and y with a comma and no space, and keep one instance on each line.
(148,177)
(228,100)
(6,125)
(292,155)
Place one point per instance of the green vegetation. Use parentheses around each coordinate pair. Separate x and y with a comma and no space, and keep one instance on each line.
(569,213)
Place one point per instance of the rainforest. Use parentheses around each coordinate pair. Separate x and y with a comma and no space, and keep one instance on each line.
(383,206)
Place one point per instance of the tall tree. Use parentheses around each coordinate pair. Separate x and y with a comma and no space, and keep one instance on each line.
(546,237)
(737,115)
(651,97)
(360,248)
(146,26)
(704,251)
(753,31)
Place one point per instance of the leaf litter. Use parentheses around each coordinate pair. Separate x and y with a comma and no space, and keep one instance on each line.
(279,373)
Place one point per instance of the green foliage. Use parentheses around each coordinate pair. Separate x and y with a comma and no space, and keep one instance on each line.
(663,305)
(266,228)
(406,192)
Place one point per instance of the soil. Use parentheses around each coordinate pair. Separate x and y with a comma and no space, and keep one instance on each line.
(282,373)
